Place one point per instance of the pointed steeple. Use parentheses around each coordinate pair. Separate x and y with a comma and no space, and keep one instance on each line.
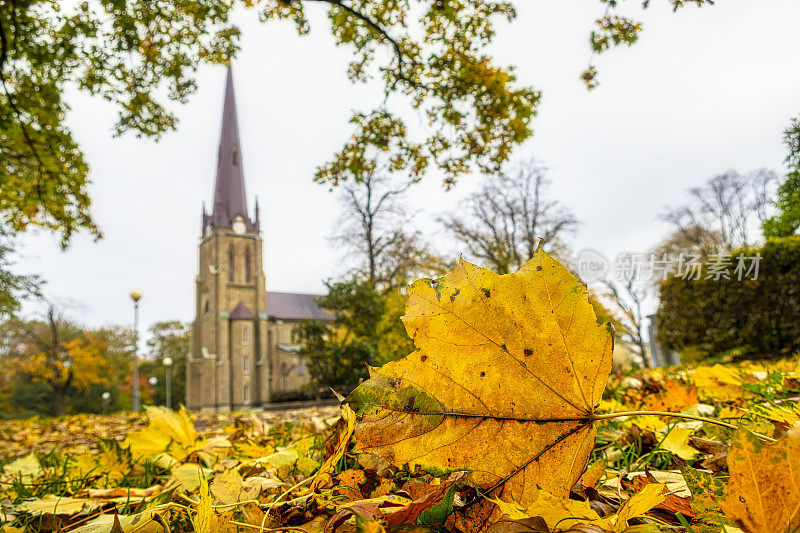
(229,192)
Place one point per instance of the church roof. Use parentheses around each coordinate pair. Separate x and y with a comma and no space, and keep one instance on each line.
(295,306)
(241,312)
(230,198)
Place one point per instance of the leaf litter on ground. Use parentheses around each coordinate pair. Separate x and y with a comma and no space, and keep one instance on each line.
(502,420)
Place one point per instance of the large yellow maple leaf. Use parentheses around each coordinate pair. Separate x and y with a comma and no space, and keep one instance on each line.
(504,382)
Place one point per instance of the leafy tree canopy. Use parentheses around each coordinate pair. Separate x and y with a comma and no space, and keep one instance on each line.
(787,221)
(13,286)
(127,52)
(366,331)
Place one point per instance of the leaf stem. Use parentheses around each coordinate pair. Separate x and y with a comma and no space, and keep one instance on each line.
(608,416)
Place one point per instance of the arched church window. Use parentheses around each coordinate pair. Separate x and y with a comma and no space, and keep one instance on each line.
(246,364)
(230,263)
(245,334)
(247,265)
(247,394)
(235,155)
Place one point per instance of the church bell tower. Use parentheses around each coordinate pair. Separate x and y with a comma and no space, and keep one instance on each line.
(228,367)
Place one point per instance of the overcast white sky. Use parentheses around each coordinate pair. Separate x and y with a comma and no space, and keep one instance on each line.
(705,90)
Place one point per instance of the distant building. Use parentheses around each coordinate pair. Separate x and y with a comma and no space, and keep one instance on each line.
(660,355)
(244,352)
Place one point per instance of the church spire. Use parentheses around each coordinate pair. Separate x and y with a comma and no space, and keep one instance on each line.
(229,192)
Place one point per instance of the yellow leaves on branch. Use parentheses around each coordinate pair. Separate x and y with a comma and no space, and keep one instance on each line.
(763,495)
(87,364)
(504,382)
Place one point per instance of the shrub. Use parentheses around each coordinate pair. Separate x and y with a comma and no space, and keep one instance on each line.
(753,316)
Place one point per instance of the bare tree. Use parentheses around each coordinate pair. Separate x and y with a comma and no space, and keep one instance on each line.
(376,228)
(693,240)
(626,297)
(724,209)
(509,217)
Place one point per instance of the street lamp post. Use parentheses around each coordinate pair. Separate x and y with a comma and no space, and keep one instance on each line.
(135,394)
(168,375)
(106,399)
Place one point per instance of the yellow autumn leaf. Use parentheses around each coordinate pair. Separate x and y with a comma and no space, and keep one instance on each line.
(504,383)
(190,476)
(763,494)
(206,519)
(564,514)
(26,467)
(677,443)
(59,505)
(718,383)
(105,462)
(226,487)
(638,504)
(144,522)
(167,431)
(512,510)
(560,514)
(328,468)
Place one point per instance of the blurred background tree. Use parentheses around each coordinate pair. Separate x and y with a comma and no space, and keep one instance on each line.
(366,330)
(787,220)
(171,339)
(722,214)
(502,224)
(49,363)
(379,235)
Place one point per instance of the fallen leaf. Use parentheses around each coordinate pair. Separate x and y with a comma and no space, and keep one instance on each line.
(508,372)
(145,522)
(718,382)
(323,475)
(592,476)
(707,491)
(347,485)
(374,508)
(560,514)
(189,476)
(27,467)
(707,446)
(528,525)
(395,510)
(638,504)
(167,431)
(672,502)
(677,443)
(763,494)
(674,397)
(255,485)
(121,492)
(438,513)
(787,413)
(226,487)
(206,519)
(109,462)
(58,505)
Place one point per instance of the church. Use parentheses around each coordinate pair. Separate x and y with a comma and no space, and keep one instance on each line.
(244,350)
